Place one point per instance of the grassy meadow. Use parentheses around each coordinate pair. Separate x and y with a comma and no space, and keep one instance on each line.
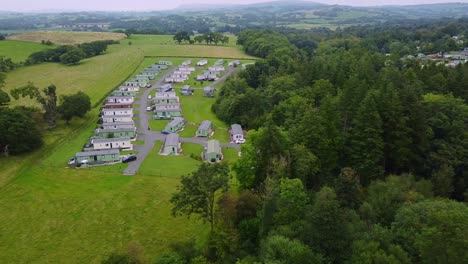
(19,51)
(53,214)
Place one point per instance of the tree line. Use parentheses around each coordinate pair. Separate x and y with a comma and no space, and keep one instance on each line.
(70,55)
(208,38)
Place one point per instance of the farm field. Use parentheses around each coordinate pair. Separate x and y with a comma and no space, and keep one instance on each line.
(19,51)
(66,38)
(95,76)
(81,215)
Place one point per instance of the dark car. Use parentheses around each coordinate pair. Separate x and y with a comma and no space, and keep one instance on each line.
(128,158)
(165,132)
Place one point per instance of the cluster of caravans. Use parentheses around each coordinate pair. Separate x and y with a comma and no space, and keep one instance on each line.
(181,74)
(212,151)
(165,103)
(144,78)
(213,72)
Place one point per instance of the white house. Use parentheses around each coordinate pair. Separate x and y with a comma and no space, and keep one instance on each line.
(117,111)
(117,118)
(111,143)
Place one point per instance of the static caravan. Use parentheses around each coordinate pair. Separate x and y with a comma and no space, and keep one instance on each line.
(186,90)
(171,145)
(120,99)
(115,133)
(117,125)
(111,143)
(134,89)
(212,152)
(202,62)
(216,68)
(166,100)
(165,94)
(124,93)
(98,156)
(166,63)
(111,111)
(186,63)
(175,125)
(219,62)
(234,63)
(117,105)
(117,118)
(236,132)
(208,91)
(165,88)
(205,129)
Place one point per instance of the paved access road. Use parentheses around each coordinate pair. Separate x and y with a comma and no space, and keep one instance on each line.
(150,137)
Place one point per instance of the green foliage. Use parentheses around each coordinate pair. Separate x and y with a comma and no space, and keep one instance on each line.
(4,97)
(170,258)
(348,188)
(181,36)
(197,192)
(74,105)
(47,99)
(433,231)
(72,56)
(279,249)
(366,142)
(18,131)
(6,64)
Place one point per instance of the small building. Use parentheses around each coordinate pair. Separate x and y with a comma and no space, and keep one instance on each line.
(186,90)
(117,118)
(171,145)
(175,80)
(159,66)
(175,125)
(188,70)
(212,152)
(202,62)
(236,132)
(98,156)
(115,133)
(149,74)
(117,125)
(111,143)
(208,91)
(219,62)
(234,63)
(205,129)
(166,63)
(186,63)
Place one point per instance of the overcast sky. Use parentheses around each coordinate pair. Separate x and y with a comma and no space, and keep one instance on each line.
(113,5)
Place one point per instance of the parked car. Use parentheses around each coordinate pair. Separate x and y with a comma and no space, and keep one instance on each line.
(148,86)
(149,108)
(240,141)
(72,161)
(149,96)
(128,158)
(165,132)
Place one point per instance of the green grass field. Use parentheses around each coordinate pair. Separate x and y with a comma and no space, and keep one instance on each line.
(19,51)
(52,214)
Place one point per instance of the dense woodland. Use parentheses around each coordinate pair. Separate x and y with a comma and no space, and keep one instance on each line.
(353,156)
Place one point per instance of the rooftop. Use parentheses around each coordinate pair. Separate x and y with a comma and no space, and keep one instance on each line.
(172,140)
(98,152)
(236,129)
(101,130)
(205,125)
(176,121)
(105,140)
(213,146)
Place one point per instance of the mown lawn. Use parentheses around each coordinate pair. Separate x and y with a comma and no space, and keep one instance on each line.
(230,155)
(19,51)
(192,150)
(52,215)
(189,130)
(167,166)
(158,125)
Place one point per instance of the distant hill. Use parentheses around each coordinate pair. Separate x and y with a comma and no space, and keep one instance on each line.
(274,6)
